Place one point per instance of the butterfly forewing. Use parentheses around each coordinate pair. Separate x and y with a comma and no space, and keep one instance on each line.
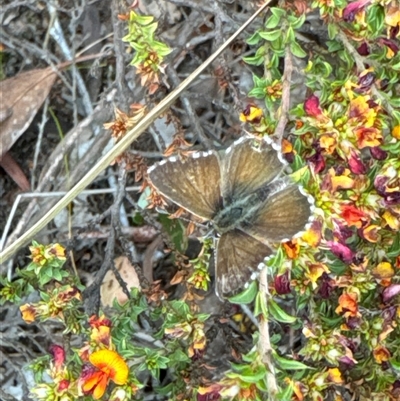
(283,215)
(237,257)
(247,166)
(193,183)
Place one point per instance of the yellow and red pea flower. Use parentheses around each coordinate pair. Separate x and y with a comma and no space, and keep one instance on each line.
(292,249)
(396,132)
(41,254)
(29,313)
(251,114)
(381,354)
(312,108)
(199,340)
(335,180)
(355,163)
(317,160)
(100,330)
(368,137)
(354,10)
(383,271)
(209,393)
(391,220)
(313,235)
(63,385)
(315,271)
(370,233)
(181,330)
(328,143)
(58,353)
(348,303)
(106,365)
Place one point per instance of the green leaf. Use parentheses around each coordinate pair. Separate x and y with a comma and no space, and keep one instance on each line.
(290,36)
(375,19)
(253,60)
(333,31)
(161,48)
(149,31)
(260,306)
(278,313)
(44,296)
(248,373)
(258,93)
(166,390)
(297,50)
(285,394)
(246,296)
(254,39)
(179,356)
(252,375)
(176,231)
(273,21)
(57,275)
(392,147)
(289,364)
(394,250)
(143,19)
(181,308)
(395,364)
(270,36)
(277,260)
(395,102)
(297,22)
(44,279)
(278,12)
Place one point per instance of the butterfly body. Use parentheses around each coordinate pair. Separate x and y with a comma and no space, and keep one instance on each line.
(239,211)
(244,194)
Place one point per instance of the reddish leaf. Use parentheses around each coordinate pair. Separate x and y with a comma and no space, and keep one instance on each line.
(12,168)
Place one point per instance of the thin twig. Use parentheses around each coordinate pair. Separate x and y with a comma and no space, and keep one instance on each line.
(39,141)
(264,343)
(57,34)
(190,113)
(285,103)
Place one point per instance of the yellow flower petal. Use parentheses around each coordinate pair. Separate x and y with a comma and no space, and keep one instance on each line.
(111,363)
(392,221)
(392,16)
(383,270)
(371,233)
(342,182)
(28,313)
(381,354)
(335,376)
(396,132)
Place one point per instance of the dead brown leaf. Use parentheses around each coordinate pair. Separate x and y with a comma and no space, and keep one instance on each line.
(110,288)
(23,95)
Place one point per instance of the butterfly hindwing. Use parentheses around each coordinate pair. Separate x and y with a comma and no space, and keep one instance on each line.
(237,258)
(283,214)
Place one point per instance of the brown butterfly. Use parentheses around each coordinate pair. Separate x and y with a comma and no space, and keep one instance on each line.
(245,195)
